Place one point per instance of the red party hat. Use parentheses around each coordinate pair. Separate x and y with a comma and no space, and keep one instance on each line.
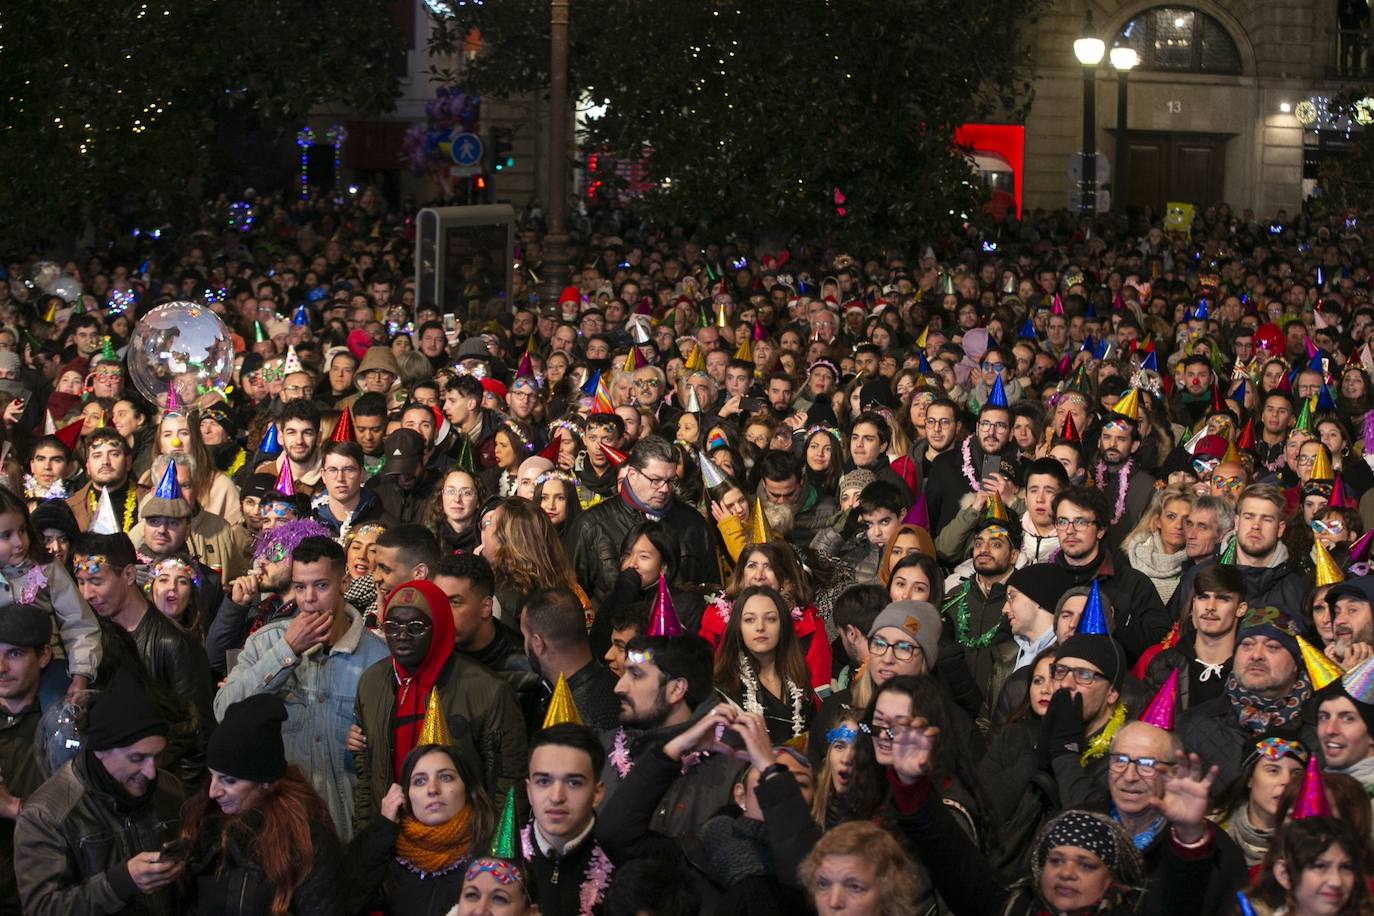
(343,430)
(615,456)
(70,433)
(286,486)
(551,450)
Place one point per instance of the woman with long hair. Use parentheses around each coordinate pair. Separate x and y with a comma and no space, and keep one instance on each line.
(555,492)
(859,867)
(824,459)
(730,509)
(260,837)
(511,444)
(525,554)
(453,512)
(216,494)
(1249,808)
(761,667)
(1156,545)
(174,589)
(916,577)
(774,566)
(1316,867)
(843,792)
(412,856)
(360,555)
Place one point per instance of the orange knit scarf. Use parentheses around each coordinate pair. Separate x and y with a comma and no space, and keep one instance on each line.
(434,849)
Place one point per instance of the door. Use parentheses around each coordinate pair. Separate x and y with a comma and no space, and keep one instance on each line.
(1190,168)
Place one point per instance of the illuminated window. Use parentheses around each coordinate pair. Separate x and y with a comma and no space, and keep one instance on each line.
(1180,39)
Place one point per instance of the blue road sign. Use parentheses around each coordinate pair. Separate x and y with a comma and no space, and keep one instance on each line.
(467,149)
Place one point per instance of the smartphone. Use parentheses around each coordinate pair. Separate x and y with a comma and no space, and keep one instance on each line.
(749,405)
(175,850)
(991,465)
(450,324)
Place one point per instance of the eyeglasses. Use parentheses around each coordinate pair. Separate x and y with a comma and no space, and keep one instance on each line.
(987,426)
(303,390)
(462,492)
(657,483)
(939,422)
(412,628)
(341,472)
(278,510)
(1078,524)
(1229,484)
(902,650)
(1084,676)
(1307,460)
(1147,767)
(1204,466)
(992,367)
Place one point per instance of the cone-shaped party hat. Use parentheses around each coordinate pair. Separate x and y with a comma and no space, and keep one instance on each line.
(696,360)
(1160,712)
(614,455)
(1228,556)
(70,434)
(1360,548)
(1326,399)
(173,402)
(918,514)
(1070,432)
(601,403)
(711,476)
(1339,499)
(526,367)
(551,450)
(50,313)
(434,730)
(107,351)
(1312,800)
(995,507)
(300,318)
(1057,306)
(1028,330)
(1128,406)
(722,320)
(105,521)
(292,363)
(634,360)
(1246,440)
(745,350)
(589,386)
(561,706)
(168,487)
(1150,362)
(997,397)
(1093,621)
(1231,456)
(1359,682)
(503,841)
(663,619)
(259,332)
(286,486)
(270,444)
(465,460)
(1304,422)
(1321,670)
(693,405)
(759,532)
(1321,465)
(343,430)
(1328,573)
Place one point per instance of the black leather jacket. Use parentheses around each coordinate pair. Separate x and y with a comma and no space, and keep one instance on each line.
(228,879)
(597,534)
(177,659)
(505,656)
(73,838)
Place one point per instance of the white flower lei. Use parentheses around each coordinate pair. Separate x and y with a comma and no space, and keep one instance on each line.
(751,703)
(1121,485)
(35,490)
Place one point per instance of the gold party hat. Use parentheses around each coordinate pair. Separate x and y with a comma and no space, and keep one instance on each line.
(561,706)
(1321,465)
(758,525)
(745,350)
(1328,573)
(434,730)
(1128,406)
(696,360)
(1320,669)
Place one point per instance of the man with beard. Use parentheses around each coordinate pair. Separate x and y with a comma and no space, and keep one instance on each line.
(167,526)
(1352,620)
(393,695)
(794,508)
(975,608)
(942,426)
(299,428)
(404,485)
(965,469)
(1266,695)
(554,628)
(369,429)
(1129,488)
(1271,576)
(1081,517)
(108,463)
(112,789)
(1202,655)
(666,679)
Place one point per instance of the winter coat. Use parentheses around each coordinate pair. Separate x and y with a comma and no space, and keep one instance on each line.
(377,882)
(599,531)
(1140,619)
(1282,586)
(228,879)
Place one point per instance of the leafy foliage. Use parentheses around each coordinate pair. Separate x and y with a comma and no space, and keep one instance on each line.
(756,112)
(142,103)
(1347,182)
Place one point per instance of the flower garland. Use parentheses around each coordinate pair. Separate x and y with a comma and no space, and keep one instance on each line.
(620,758)
(1123,481)
(957,607)
(751,703)
(130,503)
(35,490)
(30,580)
(966,450)
(595,880)
(1098,746)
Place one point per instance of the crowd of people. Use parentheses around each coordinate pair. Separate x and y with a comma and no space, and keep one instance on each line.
(1024,572)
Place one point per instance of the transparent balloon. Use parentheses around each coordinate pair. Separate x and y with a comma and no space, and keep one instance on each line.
(44,272)
(182,346)
(67,288)
(57,738)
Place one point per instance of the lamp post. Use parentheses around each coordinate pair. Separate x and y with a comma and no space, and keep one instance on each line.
(556,239)
(1089,50)
(1123,60)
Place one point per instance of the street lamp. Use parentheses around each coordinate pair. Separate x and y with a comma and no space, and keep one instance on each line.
(1123,60)
(556,239)
(1089,50)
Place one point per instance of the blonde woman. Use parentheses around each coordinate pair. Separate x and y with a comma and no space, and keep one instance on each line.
(1156,545)
(525,554)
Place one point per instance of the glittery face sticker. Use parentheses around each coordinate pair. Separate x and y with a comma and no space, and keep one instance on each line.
(89,564)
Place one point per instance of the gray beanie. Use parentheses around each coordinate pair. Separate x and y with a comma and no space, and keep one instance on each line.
(918,619)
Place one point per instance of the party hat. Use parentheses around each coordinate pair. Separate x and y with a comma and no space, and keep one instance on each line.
(465,460)
(601,403)
(760,332)
(1057,306)
(1368,432)
(1128,406)
(693,405)
(1217,405)
(532,344)
(107,351)
(614,455)
(1239,394)
(343,430)
(918,514)
(1231,455)
(997,397)
(1286,382)
(923,367)
(1315,364)
(1321,670)
(758,525)
(946,283)
(1246,441)
(270,444)
(1243,905)
(301,318)
(173,402)
(703,320)
(711,476)
(434,729)
(1150,362)
(105,521)
(503,842)
(1070,432)
(1321,465)
(259,332)
(1312,351)
(1160,712)
(696,360)
(1326,398)
(1065,364)
(1338,498)
(70,434)
(995,508)
(1202,312)
(745,350)
(1228,556)
(550,451)
(1359,682)
(1028,330)
(1093,621)
(526,367)
(50,313)
(286,486)
(639,332)
(1312,800)
(561,706)
(663,619)
(168,487)
(634,360)
(589,387)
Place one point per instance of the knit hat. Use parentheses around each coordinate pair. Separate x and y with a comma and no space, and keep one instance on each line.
(57,515)
(247,742)
(856,479)
(919,620)
(124,715)
(1098,834)
(1274,624)
(1043,583)
(25,625)
(1100,651)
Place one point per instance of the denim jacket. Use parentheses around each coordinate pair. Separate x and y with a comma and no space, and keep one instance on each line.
(319,691)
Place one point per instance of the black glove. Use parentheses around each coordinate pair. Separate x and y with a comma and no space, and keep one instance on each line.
(1061,731)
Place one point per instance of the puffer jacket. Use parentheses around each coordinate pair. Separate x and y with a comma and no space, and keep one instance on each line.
(599,531)
(73,838)
(228,879)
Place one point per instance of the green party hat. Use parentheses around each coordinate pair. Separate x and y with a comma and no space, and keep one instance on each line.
(1305,416)
(1228,555)
(503,843)
(464,461)
(107,351)
(259,332)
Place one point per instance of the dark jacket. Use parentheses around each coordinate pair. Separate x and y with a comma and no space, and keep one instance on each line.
(405,506)
(505,656)
(946,483)
(1227,874)
(692,797)
(228,879)
(599,531)
(813,513)
(451,542)
(74,836)
(369,509)
(19,767)
(1178,657)
(593,692)
(1023,797)
(483,718)
(1140,619)
(1282,586)
(557,882)
(377,881)
(174,657)
(1212,731)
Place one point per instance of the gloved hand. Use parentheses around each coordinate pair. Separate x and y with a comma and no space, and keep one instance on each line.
(1061,731)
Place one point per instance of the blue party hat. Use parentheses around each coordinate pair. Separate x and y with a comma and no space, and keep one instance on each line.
(1089,344)
(1028,330)
(1100,349)
(1150,362)
(167,487)
(1093,622)
(997,397)
(1315,363)
(1326,399)
(301,318)
(592,381)
(1239,394)
(1202,312)
(270,445)
(922,363)
(1089,311)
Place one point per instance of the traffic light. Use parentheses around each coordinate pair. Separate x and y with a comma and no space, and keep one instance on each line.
(502,150)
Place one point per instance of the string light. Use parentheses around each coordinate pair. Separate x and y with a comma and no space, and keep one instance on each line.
(305,137)
(336,135)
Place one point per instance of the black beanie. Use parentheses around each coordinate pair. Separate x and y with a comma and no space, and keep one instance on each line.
(1043,583)
(247,742)
(1101,651)
(122,716)
(25,625)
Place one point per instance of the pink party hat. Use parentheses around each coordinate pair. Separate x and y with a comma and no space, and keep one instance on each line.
(173,403)
(663,620)
(1360,548)
(286,486)
(1160,712)
(1312,800)
(918,514)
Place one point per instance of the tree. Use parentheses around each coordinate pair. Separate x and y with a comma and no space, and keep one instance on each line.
(148,105)
(826,117)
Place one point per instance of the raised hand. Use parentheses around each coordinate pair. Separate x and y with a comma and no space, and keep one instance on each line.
(1185,804)
(754,732)
(392,803)
(913,743)
(701,734)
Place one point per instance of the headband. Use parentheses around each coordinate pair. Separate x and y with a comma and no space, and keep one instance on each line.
(1279,748)
(504,871)
(89,563)
(841,733)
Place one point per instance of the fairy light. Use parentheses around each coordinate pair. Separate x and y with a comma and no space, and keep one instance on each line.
(336,135)
(304,138)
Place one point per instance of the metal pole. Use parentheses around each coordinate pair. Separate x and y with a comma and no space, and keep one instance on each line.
(1123,146)
(1089,196)
(556,241)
